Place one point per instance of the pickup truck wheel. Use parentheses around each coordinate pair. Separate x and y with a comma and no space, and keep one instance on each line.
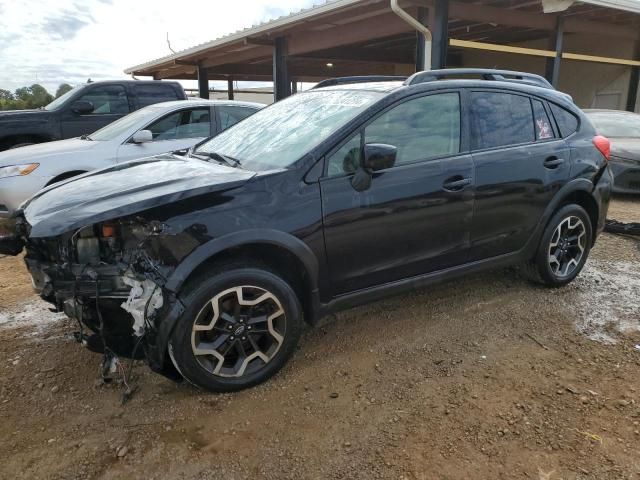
(564,247)
(239,328)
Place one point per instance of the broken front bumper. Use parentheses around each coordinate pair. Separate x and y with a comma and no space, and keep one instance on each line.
(129,303)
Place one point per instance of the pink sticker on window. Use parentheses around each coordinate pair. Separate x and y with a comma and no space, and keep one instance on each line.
(544,129)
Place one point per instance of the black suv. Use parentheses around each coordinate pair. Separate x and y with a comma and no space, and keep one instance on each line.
(330,198)
(83,109)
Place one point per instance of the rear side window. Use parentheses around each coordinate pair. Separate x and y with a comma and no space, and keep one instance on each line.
(500,119)
(229,115)
(544,131)
(150,94)
(566,121)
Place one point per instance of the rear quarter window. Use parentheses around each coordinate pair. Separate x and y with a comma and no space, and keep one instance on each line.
(567,122)
(150,94)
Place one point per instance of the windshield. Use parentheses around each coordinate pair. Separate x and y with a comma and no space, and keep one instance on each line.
(279,135)
(122,125)
(614,125)
(61,99)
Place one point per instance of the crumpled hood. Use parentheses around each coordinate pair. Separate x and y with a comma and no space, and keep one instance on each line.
(125,189)
(39,152)
(628,148)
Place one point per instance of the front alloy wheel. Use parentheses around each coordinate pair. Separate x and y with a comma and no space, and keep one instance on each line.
(239,331)
(239,327)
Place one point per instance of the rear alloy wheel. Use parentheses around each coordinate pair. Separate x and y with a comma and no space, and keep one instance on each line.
(564,247)
(239,329)
(567,246)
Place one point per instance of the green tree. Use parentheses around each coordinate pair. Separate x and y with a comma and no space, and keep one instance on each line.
(40,96)
(35,96)
(5,94)
(62,89)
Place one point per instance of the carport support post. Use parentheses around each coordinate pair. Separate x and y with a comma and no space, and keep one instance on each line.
(632,96)
(230,88)
(552,70)
(440,32)
(203,82)
(281,81)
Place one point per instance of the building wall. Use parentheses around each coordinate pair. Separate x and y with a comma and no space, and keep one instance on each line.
(590,84)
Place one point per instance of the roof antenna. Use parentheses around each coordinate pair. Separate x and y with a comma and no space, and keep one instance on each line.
(169,44)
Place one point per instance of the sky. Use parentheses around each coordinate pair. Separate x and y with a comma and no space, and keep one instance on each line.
(68,41)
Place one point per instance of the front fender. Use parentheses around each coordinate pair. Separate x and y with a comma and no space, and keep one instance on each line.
(295,246)
(278,238)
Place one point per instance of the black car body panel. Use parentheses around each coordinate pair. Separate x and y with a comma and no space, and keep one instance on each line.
(125,189)
(44,125)
(168,220)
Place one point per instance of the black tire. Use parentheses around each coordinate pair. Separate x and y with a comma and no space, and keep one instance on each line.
(543,270)
(200,369)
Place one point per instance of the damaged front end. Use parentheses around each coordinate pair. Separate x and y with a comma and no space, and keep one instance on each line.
(110,277)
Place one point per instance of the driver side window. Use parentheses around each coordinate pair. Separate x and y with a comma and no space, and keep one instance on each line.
(108,99)
(420,128)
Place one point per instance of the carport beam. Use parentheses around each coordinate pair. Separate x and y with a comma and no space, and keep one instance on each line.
(281,81)
(552,70)
(203,82)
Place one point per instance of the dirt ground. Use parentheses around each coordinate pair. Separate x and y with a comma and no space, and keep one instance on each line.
(488,377)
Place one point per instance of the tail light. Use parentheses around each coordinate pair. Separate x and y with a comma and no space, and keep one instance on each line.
(603,145)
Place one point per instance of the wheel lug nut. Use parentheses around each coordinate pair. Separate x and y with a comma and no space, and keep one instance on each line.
(249,327)
(232,337)
(244,338)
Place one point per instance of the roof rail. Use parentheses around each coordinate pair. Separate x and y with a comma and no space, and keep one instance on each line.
(359,79)
(484,73)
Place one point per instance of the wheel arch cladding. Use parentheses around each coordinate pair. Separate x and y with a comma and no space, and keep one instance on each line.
(586,201)
(280,252)
(576,191)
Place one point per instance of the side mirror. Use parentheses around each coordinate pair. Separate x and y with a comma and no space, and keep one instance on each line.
(82,107)
(142,136)
(376,156)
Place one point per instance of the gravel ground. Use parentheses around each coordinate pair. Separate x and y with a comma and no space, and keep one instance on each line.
(488,377)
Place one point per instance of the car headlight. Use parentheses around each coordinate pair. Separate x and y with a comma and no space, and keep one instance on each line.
(18,170)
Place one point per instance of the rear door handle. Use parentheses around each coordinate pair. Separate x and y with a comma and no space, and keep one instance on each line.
(452,185)
(553,162)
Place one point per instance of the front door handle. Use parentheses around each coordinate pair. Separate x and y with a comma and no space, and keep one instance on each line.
(553,162)
(455,184)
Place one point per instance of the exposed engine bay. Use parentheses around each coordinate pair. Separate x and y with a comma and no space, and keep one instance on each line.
(109,278)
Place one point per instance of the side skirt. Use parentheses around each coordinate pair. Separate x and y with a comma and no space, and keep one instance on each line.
(379,292)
